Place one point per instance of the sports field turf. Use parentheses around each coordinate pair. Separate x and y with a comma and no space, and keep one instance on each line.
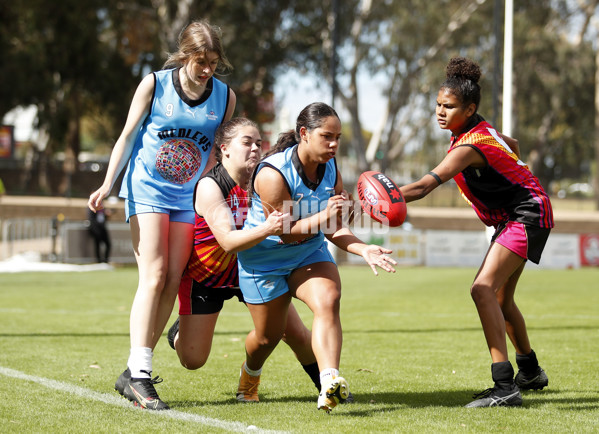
(413,354)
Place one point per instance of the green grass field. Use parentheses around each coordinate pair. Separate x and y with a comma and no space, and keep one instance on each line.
(413,354)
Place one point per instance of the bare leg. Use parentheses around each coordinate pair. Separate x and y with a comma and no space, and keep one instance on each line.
(270,321)
(150,236)
(319,286)
(298,337)
(180,243)
(514,321)
(194,340)
(499,265)
(150,241)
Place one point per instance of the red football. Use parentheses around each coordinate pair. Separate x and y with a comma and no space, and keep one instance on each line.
(381,199)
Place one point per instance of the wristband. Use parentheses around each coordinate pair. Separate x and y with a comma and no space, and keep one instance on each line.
(437,178)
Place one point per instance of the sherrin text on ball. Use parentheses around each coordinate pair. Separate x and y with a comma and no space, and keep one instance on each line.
(381,198)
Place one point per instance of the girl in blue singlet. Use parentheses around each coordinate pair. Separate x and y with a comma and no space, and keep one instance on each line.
(211,275)
(503,192)
(166,144)
(300,176)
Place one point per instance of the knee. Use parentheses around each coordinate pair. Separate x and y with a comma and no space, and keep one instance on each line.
(328,302)
(171,283)
(269,340)
(480,292)
(192,365)
(294,337)
(153,280)
(192,362)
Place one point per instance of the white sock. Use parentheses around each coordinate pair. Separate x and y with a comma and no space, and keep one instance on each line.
(256,373)
(140,362)
(326,375)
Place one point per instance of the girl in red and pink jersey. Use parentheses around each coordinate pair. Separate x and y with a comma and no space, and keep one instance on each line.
(504,194)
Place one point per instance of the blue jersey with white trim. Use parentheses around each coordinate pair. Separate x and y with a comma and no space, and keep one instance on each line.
(173,145)
(308,198)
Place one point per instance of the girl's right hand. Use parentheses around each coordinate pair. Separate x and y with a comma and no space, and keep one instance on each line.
(277,222)
(96,198)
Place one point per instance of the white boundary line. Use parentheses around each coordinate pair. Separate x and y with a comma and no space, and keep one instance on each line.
(112,399)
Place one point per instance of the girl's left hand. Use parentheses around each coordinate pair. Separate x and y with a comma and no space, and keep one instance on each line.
(376,256)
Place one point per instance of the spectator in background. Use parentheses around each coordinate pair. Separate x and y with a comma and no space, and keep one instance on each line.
(98,231)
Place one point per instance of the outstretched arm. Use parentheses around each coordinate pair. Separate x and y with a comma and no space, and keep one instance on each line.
(456,161)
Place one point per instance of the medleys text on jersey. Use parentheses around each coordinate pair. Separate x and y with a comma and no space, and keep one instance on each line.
(187,133)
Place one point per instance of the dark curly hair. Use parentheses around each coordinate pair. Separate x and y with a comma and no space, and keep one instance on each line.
(462,77)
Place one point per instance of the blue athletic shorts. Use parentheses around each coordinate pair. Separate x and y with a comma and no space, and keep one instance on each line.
(175,215)
(258,287)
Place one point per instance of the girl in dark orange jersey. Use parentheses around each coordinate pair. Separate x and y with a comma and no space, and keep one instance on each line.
(504,193)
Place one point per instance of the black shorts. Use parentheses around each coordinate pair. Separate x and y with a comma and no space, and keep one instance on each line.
(198,299)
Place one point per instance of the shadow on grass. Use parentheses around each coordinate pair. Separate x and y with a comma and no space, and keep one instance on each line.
(534,398)
(389,401)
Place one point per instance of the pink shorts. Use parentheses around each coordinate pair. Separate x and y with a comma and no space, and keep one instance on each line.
(525,241)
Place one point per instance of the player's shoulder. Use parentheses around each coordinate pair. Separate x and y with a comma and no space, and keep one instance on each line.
(207,182)
(268,172)
(147,83)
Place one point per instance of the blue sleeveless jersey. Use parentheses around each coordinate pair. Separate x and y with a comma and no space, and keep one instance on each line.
(308,198)
(172,147)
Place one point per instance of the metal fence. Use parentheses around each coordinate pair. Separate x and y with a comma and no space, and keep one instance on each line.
(62,241)
(24,234)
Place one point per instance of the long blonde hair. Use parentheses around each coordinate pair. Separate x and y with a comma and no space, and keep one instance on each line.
(197,38)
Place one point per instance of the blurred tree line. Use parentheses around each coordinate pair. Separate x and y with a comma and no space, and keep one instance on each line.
(80,62)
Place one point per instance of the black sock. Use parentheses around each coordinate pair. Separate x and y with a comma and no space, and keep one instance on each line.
(528,363)
(314,373)
(503,374)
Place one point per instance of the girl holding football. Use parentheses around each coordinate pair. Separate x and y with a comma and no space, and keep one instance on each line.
(167,142)
(300,176)
(503,192)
